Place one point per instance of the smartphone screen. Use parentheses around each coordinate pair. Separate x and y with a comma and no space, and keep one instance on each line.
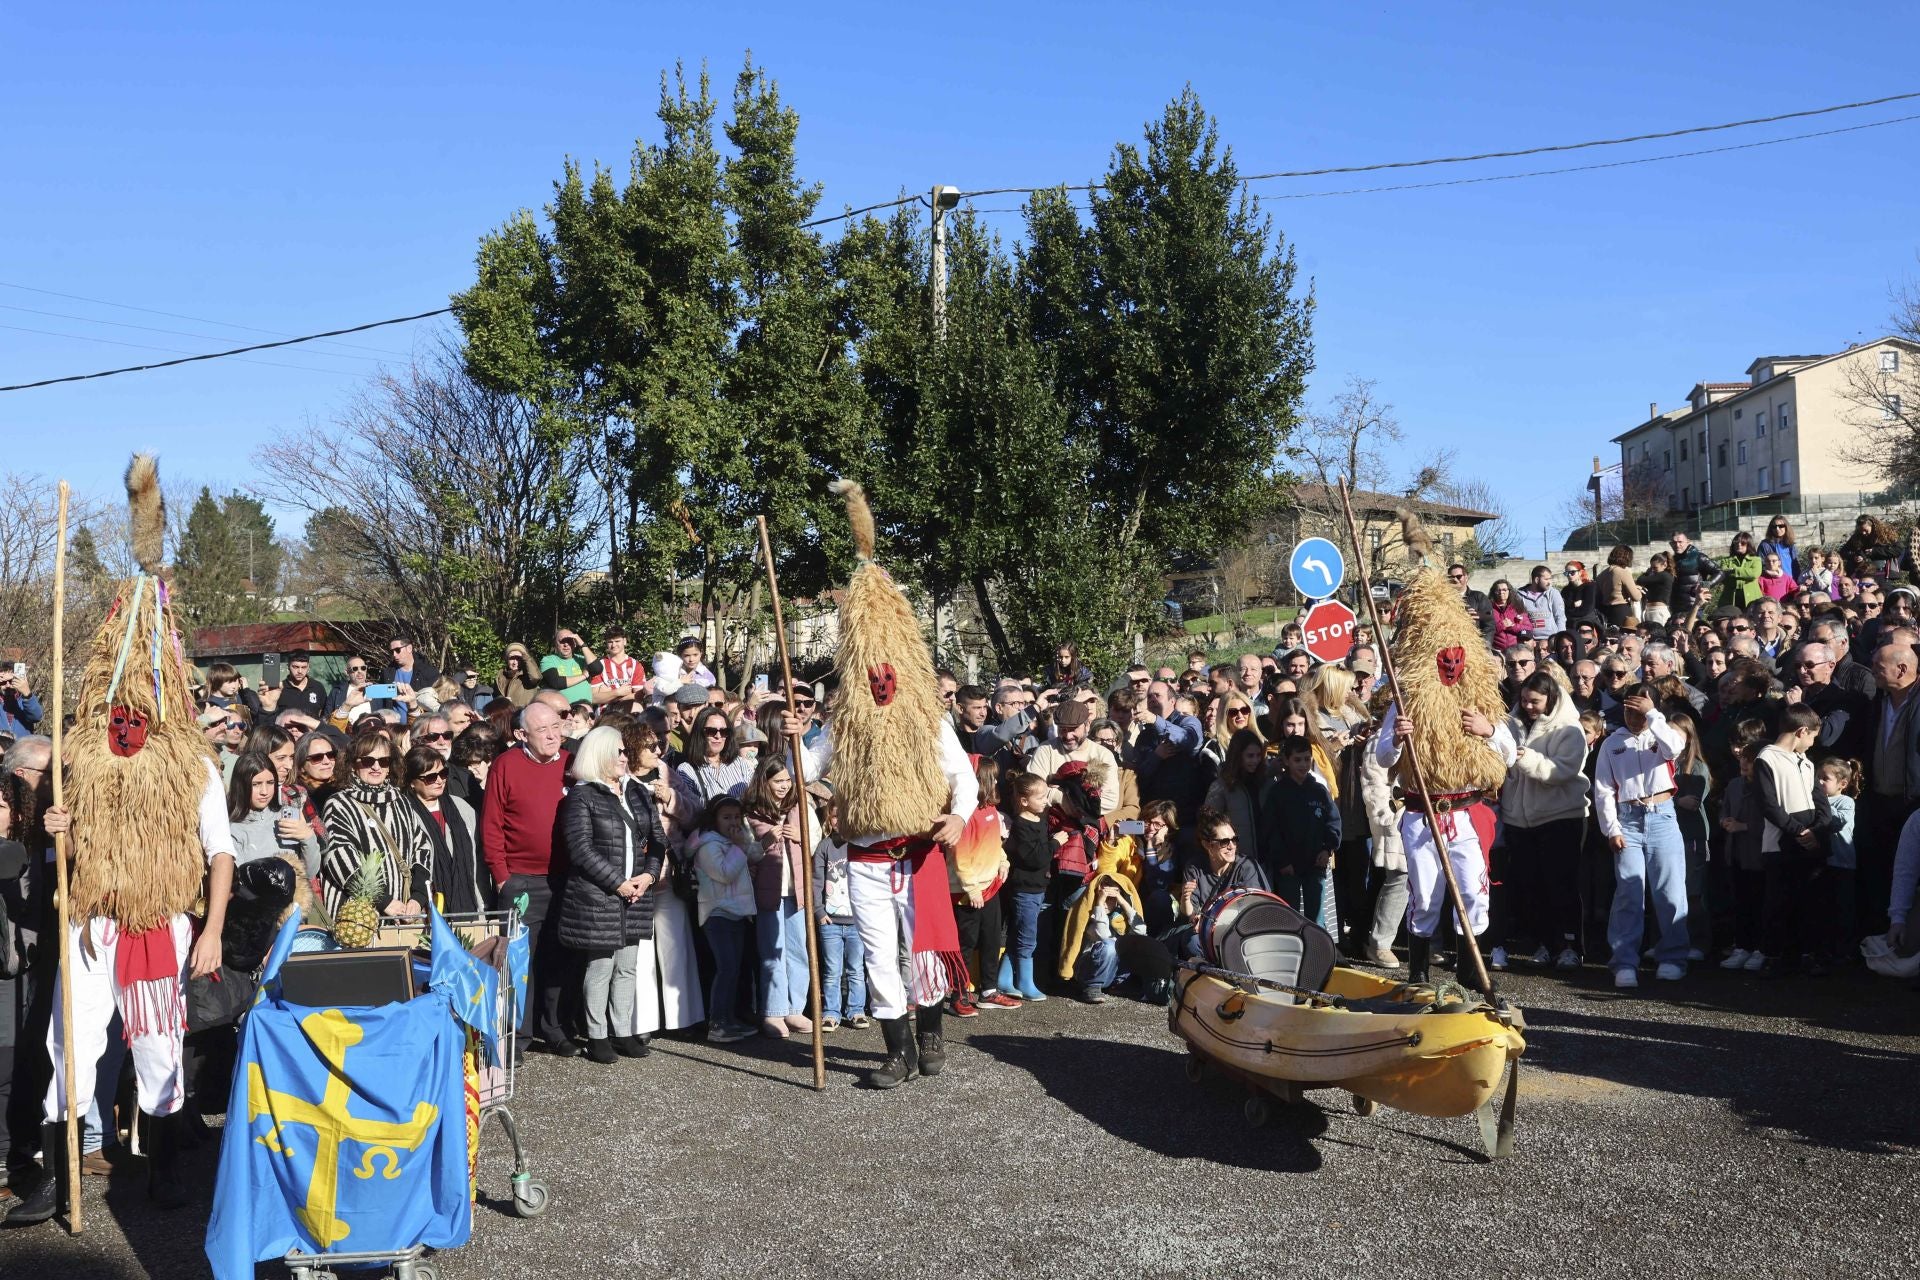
(383,691)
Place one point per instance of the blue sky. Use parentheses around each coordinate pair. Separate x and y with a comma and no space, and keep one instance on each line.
(303,170)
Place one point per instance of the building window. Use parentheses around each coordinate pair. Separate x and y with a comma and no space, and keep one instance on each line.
(1742,458)
(1786,473)
(1723,453)
(1373,543)
(1703,440)
(1669,460)
(1759,424)
(1780,416)
(1765,478)
(1737,413)
(1446,547)
(1889,362)
(1891,409)
(1683,448)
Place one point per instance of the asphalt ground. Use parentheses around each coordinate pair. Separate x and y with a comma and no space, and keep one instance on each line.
(1723,1126)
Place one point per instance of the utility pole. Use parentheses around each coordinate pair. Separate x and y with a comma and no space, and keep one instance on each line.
(943,199)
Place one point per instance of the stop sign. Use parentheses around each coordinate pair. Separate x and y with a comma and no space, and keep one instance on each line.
(1329,630)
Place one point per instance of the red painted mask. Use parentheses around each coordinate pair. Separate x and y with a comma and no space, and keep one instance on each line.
(126,731)
(883,682)
(1452,663)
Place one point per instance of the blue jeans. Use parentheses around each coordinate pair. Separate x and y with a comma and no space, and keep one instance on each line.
(782,934)
(1655,858)
(1023,934)
(727,938)
(842,955)
(1099,965)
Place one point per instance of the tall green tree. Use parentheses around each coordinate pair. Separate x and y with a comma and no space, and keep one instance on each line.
(1177,340)
(210,566)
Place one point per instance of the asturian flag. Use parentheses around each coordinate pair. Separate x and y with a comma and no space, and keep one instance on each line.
(345,1131)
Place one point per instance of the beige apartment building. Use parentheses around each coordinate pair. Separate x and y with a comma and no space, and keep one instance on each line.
(1776,441)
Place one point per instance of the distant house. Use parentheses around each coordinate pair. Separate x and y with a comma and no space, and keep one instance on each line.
(1257,568)
(1317,513)
(244,646)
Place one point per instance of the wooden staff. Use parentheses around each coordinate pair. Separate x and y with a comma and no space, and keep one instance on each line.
(1470,943)
(797,750)
(57,713)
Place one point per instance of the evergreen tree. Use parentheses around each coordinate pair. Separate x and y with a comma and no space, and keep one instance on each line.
(210,569)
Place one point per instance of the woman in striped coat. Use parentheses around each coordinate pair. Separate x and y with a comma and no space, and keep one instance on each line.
(370,818)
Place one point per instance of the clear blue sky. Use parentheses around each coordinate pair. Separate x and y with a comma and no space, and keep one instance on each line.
(297,170)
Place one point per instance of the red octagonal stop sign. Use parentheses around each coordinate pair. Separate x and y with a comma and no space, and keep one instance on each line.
(1329,627)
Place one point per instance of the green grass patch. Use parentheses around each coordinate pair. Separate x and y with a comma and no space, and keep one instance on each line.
(1215,622)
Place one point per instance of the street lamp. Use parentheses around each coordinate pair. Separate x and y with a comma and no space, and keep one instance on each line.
(943,199)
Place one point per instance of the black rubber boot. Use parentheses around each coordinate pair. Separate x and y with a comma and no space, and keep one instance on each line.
(933,1048)
(165,1185)
(902,1062)
(50,1197)
(1419,957)
(631,1046)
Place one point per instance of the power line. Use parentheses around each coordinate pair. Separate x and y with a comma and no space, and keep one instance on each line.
(1091,187)
(1504,155)
(220,355)
(148,328)
(175,315)
(144,346)
(1588,168)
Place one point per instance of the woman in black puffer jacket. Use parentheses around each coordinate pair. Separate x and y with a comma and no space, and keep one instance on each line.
(615,844)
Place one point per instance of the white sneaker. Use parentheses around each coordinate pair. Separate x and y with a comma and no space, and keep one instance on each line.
(1625,979)
(1498,960)
(1695,955)
(1756,961)
(1670,972)
(1567,959)
(1736,959)
(1540,956)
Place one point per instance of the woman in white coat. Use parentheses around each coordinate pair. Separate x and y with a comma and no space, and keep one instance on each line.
(669,994)
(1543,813)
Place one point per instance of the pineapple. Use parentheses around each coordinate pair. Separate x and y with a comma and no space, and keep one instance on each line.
(358,918)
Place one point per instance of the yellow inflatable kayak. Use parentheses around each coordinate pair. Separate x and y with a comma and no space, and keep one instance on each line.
(1267,1006)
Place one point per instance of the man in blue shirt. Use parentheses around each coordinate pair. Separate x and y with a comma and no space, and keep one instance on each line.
(20,711)
(1166,755)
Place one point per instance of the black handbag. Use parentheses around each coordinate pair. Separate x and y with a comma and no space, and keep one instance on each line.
(212,1003)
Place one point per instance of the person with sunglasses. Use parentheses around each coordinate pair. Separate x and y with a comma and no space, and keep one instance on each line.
(713,762)
(1580,599)
(316,759)
(370,825)
(411,673)
(1740,573)
(350,692)
(455,878)
(1224,866)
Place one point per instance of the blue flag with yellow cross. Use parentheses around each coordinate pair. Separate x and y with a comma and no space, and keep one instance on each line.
(346,1129)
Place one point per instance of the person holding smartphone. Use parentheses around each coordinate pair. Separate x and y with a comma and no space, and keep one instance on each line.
(20,711)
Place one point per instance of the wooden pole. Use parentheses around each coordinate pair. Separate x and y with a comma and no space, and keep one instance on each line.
(1468,943)
(797,751)
(56,712)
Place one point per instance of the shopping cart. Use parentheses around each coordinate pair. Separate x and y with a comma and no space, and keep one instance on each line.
(495,1084)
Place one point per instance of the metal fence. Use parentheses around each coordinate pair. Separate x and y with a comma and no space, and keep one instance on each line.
(1811,509)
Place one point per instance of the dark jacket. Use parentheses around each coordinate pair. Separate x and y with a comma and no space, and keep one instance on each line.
(311,699)
(596,827)
(1582,601)
(1029,854)
(459,875)
(1482,611)
(1298,822)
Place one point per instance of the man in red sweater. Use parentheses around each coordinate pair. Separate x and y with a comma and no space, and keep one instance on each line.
(524,787)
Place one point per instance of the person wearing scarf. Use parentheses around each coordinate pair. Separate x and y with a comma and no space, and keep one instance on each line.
(370,815)
(455,881)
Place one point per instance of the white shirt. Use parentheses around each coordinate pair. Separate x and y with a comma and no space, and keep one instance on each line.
(1634,766)
(1387,751)
(962,783)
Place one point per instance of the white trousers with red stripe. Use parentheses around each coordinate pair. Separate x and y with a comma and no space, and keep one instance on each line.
(1427,887)
(157,1059)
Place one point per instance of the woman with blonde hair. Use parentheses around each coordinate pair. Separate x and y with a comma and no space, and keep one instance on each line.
(1232,714)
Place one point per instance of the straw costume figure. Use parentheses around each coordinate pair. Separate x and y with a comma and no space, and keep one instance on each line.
(904,788)
(1453,719)
(149,840)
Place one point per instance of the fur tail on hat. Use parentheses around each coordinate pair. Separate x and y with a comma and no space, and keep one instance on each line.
(1418,541)
(147,512)
(859,514)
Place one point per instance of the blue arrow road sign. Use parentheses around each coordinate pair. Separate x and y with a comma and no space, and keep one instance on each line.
(1316,568)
